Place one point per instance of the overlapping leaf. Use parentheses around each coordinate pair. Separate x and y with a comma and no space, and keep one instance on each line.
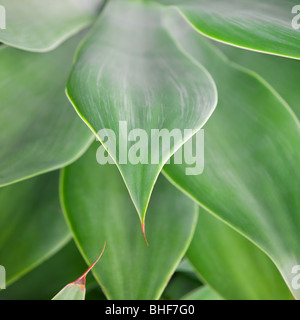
(251,176)
(40,131)
(128,269)
(232,265)
(129,69)
(282,73)
(36,25)
(259,25)
(32,226)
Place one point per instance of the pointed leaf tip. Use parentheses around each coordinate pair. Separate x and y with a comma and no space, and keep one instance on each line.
(76,289)
(82,278)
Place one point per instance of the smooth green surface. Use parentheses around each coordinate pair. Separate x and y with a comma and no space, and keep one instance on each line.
(44,281)
(98,208)
(185,266)
(71,292)
(203,293)
(251,174)
(282,73)
(260,25)
(40,130)
(32,226)
(232,265)
(36,25)
(129,69)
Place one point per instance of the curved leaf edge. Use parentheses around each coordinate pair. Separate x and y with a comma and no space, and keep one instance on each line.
(142,214)
(202,288)
(49,255)
(54,168)
(229,43)
(228,224)
(88,261)
(54,45)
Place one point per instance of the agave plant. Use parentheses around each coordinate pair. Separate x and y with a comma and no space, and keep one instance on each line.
(72,72)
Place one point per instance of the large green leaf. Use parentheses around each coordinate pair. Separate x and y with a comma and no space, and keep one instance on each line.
(32,226)
(36,25)
(40,131)
(251,175)
(260,25)
(98,208)
(282,73)
(232,265)
(129,69)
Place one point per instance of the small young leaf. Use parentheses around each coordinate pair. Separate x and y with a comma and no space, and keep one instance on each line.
(76,290)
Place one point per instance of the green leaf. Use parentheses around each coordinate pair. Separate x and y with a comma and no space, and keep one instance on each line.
(179,285)
(283,74)
(44,281)
(185,266)
(129,269)
(251,175)
(259,25)
(129,69)
(72,291)
(203,293)
(40,131)
(40,26)
(76,290)
(32,226)
(232,265)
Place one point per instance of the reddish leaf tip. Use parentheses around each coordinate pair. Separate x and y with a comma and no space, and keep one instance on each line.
(81,280)
(144,233)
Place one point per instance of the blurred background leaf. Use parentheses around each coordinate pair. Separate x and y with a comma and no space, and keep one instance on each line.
(40,129)
(32,225)
(40,26)
(43,282)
